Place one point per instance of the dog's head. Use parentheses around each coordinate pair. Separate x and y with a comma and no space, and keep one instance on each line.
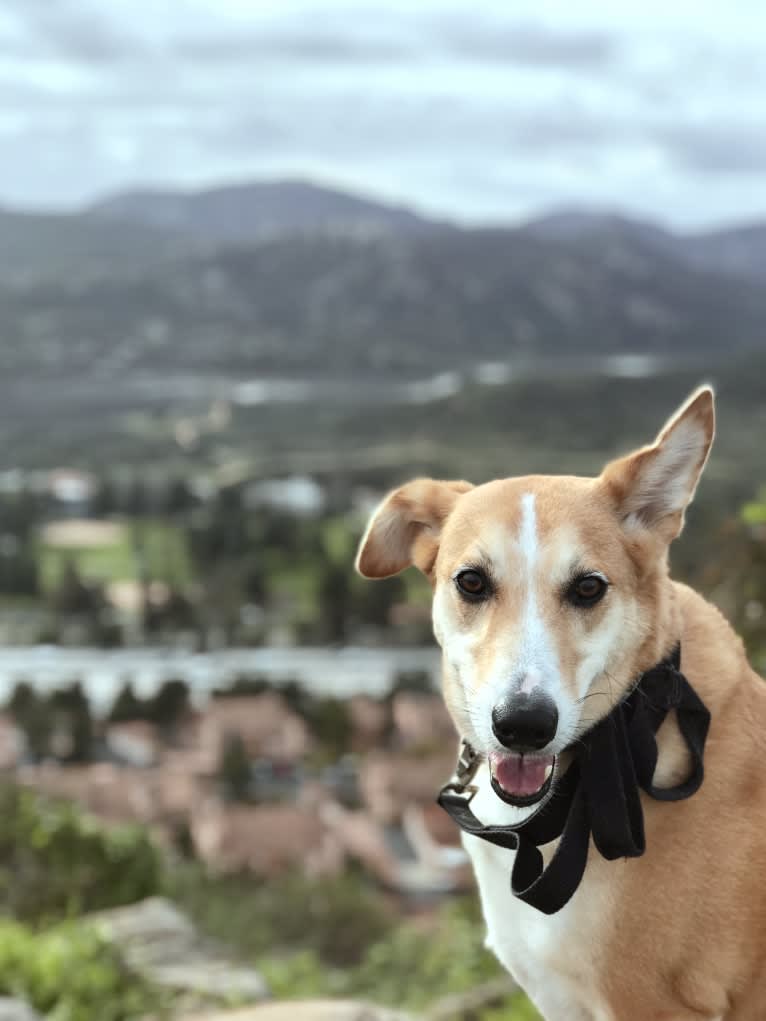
(550,592)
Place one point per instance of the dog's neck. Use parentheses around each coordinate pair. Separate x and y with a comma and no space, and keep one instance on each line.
(673,755)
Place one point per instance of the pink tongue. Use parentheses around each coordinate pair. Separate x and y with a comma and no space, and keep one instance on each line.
(518,774)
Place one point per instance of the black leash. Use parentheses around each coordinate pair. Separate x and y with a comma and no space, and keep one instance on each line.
(598,795)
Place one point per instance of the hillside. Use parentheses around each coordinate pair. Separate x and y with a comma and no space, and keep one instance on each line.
(291,279)
(414,304)
(63,246)
(738,251)
(246,213)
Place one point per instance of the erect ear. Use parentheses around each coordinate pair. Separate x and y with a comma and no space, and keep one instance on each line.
(405,528)
(652,487)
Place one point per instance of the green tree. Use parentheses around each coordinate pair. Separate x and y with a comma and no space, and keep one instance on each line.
(334,599)
(56,862)
(235,771)
(104,500)
(73,595)
(373,603)
(418,682)
(168,707)
(71,712)
(179,498)
(127,705)
(330,723)
(34,717)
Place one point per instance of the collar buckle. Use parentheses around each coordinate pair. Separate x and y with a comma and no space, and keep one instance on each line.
(456,792)
(467,764)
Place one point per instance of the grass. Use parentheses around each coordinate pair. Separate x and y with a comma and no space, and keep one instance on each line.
(157,545)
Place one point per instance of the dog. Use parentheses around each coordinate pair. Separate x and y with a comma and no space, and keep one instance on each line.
(551,597)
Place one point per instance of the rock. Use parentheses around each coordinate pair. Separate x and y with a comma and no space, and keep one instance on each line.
(16,1010)
(308,1010)
(474,1001)
(162,945)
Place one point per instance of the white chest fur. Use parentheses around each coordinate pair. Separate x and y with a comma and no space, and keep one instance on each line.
(554,958)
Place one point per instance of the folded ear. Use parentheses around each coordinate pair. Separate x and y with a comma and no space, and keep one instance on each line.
(652,487)
(405,528)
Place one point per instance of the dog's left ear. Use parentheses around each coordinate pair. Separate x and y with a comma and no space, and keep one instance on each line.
(405,528)
(652,487)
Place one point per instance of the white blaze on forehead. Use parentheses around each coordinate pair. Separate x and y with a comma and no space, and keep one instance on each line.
(537,661)
(527,658)
(528,530)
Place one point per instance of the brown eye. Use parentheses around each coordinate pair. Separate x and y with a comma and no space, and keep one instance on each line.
(587,590)
(472,584)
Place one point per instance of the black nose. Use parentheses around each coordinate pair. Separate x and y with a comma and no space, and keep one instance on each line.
(525,723)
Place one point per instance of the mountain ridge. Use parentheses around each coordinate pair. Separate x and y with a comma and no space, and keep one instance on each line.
(341,283)
(249,211)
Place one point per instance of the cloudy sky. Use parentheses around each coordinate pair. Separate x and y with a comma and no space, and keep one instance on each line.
(478,111)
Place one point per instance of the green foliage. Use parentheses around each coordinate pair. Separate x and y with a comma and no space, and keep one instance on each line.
(754,512)
(339,918)
(31,713)
(69,973)
(409,968)
(127,705)
(166,707)
(56,861)
(415,682)
(519,1009)
(245,684)
(153,547)
(329,722)
(169,705)
(302,976)
(71,712)
(414,968)
(65,713)
(234,770)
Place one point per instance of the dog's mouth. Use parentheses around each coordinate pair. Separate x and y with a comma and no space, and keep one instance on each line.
(520,779)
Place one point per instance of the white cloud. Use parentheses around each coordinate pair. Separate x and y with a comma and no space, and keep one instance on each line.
(486,113)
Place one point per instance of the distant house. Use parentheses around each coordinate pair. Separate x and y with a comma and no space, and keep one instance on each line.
(12,742)
(134,742)
(422,859)
(266,839)
(388,782)
(71,490)
(266,725)
(422,721)
(298,494)
(370,721)
(153,796)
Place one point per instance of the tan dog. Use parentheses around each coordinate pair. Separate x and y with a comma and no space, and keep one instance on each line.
(551,596)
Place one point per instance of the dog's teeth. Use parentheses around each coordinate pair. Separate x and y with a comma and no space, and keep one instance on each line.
(548,771)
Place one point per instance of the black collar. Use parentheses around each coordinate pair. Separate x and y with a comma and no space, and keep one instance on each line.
(598,795)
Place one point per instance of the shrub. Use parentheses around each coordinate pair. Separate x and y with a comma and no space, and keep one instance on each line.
(339,917)
(57,862)
(68,973)
(410,968)
(414,967)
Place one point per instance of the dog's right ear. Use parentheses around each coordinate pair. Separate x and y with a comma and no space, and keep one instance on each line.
(405,528)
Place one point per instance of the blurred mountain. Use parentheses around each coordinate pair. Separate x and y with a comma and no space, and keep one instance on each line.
(740,251)
(737,251)
(288,278)
(43,245)
(316,304)
(576,224)
(251,212)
